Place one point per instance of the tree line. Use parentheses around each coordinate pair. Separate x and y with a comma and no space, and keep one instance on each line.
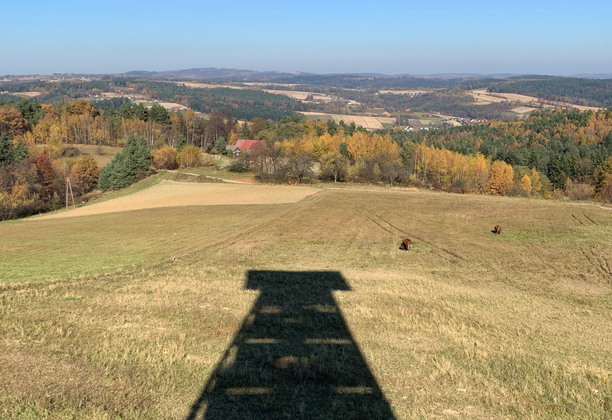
(588,92)
(569,147)
(244,104)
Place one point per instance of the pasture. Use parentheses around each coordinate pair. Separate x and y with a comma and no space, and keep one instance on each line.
(370,123)
(27,95)
(300,96)
(207,85)
(483,98)
(308,309)
(101,154)
(405,91)
(167,105)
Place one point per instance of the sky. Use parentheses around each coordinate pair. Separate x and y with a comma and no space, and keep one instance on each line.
(392,37)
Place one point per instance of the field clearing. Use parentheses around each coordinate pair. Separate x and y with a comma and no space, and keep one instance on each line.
(482,98)
(370,123)
(434,119)
(27,94)
(270,84)
(167,105)
(301,96)
(405,91)
(178,194)
(207,85)
(220,172)
(257,311)
(523,110)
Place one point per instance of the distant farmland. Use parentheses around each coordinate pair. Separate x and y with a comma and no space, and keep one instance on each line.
(485,98)
(370,123)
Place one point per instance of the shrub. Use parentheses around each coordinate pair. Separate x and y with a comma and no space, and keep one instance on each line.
(580,192)
(241,164)
(606,192)
(190,157)
(85,173)
(165,158)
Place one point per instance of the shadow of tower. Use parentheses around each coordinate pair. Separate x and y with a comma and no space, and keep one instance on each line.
(293,358)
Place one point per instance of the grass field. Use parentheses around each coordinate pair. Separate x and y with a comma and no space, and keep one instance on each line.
(482,98)
(405,91)
(300,96)
(308,310)
(207,85)
(101,154)
(370,123)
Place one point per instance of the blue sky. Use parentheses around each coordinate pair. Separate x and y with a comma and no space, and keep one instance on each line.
(544,37)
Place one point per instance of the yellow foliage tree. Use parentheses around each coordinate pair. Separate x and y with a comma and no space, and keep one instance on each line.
(164,158)
(536,185)
(85,173)
(501,178)
(526,187)
(190,157)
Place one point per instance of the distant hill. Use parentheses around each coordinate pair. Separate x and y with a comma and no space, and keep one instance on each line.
(212,73)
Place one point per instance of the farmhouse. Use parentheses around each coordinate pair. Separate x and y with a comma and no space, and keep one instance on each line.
(245,145)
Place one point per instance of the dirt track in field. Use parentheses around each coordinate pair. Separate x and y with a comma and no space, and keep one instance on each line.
(175,194)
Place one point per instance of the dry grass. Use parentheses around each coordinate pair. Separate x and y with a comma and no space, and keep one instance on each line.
(27,94)
(468,325)
(301,96)
(370,123)
(179,194)
(207,85)
(482,98)
(405,91)
(167,105)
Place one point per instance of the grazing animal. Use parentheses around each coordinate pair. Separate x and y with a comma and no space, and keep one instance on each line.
(497,230)
(406,245)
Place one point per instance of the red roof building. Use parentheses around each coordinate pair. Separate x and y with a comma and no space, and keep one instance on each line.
(249,145)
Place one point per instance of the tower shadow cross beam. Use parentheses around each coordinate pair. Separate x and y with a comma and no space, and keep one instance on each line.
(293,357)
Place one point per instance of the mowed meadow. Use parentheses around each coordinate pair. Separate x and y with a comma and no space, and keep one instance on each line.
(305,308)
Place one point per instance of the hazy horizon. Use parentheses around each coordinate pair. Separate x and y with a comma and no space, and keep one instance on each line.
(391,37)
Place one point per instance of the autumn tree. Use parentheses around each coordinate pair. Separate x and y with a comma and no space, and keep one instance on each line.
(12,122)
(258,126)
(190,157)
(602,176)
(525,186)
(85,173)
(536,185)
(501,178)
(165,158)
(606,190)
(45,174)
(334,166)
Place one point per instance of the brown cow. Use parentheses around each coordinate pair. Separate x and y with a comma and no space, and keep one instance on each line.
(406,245)
(497,230)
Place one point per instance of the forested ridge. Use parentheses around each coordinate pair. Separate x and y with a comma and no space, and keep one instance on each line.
(245,104)
(588,92)
(566,145)
(374,82)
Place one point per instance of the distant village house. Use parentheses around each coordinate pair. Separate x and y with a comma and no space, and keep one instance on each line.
(245,146)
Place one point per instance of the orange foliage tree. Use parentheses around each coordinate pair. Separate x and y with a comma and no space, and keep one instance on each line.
(85,173)
(165,158)
(501,178)
(190,157)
